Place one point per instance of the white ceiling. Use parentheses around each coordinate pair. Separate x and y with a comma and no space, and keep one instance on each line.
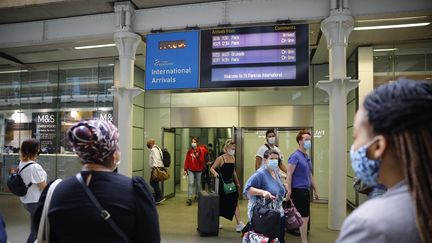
(30,55)
(24,10)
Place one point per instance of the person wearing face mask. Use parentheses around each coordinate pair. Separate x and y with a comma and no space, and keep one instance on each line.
(392,146)
(73,216)
(155,160)
(266,183)
(224,169)
(300,180)
(193,167)
(269,144)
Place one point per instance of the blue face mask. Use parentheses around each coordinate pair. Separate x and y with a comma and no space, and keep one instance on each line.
(273,164)
(366,169)
(307,144)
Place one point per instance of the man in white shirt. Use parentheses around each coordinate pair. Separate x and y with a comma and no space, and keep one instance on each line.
(269,144)
(155,160)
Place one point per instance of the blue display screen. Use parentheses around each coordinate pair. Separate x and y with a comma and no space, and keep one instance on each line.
(172,61)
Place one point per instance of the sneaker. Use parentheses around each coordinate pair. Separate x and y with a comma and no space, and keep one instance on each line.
(240,226)
(160,201)
(220,226)
(189,202)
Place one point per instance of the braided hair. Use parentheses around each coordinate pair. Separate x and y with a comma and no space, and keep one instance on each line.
(402,112)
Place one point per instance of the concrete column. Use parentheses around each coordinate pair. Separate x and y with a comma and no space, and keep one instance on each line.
(365,73)
(336,29)
(127,43)
(211,136)
(185,145)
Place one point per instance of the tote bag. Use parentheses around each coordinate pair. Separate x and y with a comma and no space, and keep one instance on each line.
(44,227)
(266,219)
(293,217)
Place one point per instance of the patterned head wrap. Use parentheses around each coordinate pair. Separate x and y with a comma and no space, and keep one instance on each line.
(94,140)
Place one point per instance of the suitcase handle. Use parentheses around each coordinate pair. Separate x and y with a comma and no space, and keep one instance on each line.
(217,184)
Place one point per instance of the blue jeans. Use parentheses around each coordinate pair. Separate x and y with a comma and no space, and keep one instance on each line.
(194,177)
(31,208)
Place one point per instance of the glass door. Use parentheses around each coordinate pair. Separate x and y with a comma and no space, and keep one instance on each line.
(252,140)
(168,139)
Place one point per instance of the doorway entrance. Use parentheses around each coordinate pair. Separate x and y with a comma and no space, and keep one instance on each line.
(248,140)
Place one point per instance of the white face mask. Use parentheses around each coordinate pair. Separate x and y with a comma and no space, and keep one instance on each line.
(271,140)
(231,152)
(194,145)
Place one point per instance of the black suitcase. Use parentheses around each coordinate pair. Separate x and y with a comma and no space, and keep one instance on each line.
(208,213)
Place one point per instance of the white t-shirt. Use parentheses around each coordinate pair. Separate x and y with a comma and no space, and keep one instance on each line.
(263,148)
(35,174)
(155,158)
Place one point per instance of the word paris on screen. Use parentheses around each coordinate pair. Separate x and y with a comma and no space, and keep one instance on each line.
(265,56)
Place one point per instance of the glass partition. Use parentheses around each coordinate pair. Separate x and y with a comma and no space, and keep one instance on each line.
(42,102)
(407,61)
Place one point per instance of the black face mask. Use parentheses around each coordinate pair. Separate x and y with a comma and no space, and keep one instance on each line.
(148,146)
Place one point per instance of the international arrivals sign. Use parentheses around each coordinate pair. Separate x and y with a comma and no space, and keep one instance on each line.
(172,61)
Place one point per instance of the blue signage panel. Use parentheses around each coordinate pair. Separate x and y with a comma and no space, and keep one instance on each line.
(172,61)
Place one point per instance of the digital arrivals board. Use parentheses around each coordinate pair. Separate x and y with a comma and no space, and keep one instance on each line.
(255,57)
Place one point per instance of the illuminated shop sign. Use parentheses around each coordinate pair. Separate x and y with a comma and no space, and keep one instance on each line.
(172,61)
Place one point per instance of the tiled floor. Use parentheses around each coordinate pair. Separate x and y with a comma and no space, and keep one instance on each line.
(177,222)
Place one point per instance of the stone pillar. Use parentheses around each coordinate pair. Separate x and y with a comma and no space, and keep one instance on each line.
(211,136)
(127,43)
(336,29)
(185,145)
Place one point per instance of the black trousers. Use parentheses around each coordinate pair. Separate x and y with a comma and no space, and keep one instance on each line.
(157,190)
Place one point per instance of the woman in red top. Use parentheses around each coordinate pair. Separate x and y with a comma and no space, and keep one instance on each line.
(193,167)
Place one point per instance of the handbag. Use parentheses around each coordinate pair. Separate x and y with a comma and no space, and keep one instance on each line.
(293,217)
(159,174)
(43,235)
(266,219)
(228,188)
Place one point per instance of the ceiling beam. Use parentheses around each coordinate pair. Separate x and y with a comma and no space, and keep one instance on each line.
(10,60)
(211,14)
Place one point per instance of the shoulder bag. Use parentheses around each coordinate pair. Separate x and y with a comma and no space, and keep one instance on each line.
(159,174)
(43,235)
(103,213)
(228,188)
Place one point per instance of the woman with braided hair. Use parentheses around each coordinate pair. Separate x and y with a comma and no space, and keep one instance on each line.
(130,212)
(393,146)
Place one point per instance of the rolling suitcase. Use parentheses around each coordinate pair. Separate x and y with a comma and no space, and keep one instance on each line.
(208,212)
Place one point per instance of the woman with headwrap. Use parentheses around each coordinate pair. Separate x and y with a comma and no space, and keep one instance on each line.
(393,146)
(73,217)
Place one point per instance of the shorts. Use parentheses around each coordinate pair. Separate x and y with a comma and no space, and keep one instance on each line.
(301,200)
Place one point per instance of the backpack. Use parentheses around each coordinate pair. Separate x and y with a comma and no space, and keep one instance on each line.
(16,184)
(166,157)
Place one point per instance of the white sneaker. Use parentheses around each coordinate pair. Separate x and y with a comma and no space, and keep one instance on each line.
(220,226)
(240,226)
